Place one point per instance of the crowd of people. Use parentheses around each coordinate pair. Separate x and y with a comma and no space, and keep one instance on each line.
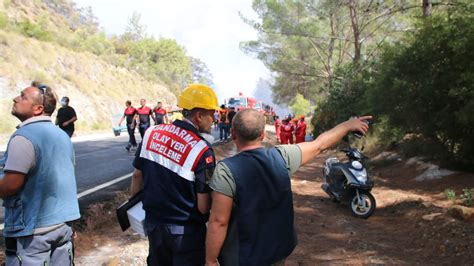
(141,117)
(288,127)
(238,211)
(223,120)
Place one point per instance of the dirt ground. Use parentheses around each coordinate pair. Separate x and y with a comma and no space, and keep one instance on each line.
(396,233)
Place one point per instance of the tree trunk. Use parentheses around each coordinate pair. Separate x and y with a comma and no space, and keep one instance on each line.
(356,32)
(331,47)
(427,8)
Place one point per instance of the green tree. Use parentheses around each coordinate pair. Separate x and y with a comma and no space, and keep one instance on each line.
(200,72)
(135,29)
(425,85)
(161,59)
(305,42)
(300,106)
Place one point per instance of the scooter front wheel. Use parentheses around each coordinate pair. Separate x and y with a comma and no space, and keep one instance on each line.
(362,204)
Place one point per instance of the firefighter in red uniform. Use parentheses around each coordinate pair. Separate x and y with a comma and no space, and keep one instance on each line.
(286,134)
(300,131)
(160,114)
(144,113)
(172,166)
(277,128)
(130,113)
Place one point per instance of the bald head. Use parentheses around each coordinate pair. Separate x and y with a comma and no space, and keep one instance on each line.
(248,124)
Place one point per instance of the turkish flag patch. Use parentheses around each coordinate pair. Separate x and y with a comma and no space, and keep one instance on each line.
(209,159)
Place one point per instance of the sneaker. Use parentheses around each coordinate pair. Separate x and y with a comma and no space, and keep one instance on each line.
(127,148)
(133,149)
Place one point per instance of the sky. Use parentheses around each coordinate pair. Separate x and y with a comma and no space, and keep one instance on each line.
(210,30)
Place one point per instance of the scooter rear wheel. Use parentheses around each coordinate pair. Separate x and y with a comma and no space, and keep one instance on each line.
(366,207)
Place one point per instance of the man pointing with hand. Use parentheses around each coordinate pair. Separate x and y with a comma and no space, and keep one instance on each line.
(251,220)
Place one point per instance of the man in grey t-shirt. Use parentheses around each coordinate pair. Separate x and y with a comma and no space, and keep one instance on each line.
(39,185)
(253,188)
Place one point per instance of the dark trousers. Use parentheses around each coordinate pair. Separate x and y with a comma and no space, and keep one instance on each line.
(131,135)
(177,245)
(142,128)
(223,131)
(69,132)
(159,120)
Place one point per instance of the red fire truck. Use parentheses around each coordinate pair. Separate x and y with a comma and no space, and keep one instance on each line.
(241,102)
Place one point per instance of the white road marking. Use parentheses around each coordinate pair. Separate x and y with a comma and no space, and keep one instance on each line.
(99,187)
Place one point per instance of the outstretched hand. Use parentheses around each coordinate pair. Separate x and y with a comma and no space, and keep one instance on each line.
(359,124)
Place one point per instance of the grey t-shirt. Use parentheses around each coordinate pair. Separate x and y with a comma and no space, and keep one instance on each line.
(22,158)
(21,153)
(223,181)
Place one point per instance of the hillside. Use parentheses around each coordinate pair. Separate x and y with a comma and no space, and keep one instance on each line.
(96,86)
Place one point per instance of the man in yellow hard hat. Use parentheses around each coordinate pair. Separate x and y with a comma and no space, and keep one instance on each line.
(172,166)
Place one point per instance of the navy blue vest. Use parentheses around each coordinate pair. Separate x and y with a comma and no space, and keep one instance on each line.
(168,198)
(262,217)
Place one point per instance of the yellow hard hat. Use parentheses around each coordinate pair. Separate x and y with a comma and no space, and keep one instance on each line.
(198,96)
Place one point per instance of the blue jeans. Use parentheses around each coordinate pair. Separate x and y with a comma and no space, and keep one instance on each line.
(223,131)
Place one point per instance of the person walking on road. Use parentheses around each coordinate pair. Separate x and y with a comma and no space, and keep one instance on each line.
(172,166)
(251,220)
(39,185)
(66,117)
(160,114)
(223,123)
(129,114)
(144,113)
(300,131)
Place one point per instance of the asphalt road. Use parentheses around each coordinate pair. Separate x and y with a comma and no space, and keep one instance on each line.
(99,162)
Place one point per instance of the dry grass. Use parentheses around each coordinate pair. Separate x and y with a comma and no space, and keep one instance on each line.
(98,223)
(96,88)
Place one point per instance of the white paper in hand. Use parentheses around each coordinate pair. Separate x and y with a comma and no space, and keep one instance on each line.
(136,217)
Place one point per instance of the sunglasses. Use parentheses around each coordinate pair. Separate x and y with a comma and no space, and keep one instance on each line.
(42,89)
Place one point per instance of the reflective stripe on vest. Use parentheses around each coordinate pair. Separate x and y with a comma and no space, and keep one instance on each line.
(174,148)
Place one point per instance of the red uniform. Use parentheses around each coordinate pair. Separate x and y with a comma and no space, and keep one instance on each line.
(277,129)
(300,131)
(286,134)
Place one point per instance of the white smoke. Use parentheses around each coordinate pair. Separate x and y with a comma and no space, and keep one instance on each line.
(263,92)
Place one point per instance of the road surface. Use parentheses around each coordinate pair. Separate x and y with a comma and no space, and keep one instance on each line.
(99,163)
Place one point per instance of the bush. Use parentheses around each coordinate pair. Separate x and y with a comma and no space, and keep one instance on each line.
(450,194)
(425,85)
(33,30)
(300,106)
(3,20)
(466,197)
(345,99)
(422,86)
